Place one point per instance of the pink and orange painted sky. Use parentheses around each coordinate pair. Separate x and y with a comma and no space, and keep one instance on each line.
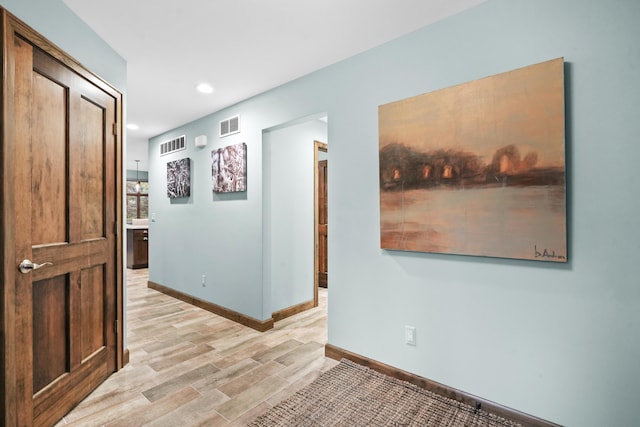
(524,107)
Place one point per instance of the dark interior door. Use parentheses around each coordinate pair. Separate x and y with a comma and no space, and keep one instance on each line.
(323,219)
(65,223)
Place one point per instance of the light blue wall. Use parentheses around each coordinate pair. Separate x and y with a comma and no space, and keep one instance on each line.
(561,342)
(288,213)
(216,235)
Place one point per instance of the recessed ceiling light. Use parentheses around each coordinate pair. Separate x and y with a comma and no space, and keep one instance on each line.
(132,126)
(204,88)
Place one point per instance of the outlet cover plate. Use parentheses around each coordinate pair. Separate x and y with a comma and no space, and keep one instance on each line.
(410,335)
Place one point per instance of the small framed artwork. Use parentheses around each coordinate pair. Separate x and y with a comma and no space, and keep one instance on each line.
(229,168)
(179,178)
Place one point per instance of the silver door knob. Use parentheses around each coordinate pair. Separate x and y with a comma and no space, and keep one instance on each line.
(27,266)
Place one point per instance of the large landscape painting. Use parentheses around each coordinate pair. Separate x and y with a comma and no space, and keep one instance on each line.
(478,168)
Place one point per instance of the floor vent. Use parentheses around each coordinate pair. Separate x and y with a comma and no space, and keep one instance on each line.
(230,126)
(175,144)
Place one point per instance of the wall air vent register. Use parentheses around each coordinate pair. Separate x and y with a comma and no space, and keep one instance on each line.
(173,145)
(230,126)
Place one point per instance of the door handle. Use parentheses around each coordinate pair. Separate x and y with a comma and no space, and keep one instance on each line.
(26,266)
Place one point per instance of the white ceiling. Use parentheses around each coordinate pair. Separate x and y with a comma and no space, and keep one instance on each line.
(241,47)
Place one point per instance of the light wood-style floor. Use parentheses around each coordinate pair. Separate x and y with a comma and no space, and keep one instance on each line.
(189,367)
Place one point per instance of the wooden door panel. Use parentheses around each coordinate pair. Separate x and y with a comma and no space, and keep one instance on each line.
(68,257)
(50,339)
(92,318)
(49,160)
(92,170)
(59,397)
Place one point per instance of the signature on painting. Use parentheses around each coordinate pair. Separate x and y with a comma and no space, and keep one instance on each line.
(546,253)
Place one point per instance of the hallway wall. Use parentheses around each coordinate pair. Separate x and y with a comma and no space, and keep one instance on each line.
(556,341)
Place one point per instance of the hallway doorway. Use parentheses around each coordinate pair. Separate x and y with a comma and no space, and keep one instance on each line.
(289,232)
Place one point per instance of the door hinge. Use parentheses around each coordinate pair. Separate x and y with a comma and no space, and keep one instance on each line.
(116,228)
(116,327)
(115,129)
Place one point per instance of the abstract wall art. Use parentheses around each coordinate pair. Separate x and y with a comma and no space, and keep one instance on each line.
(477,168)
(179,178)
(229,168)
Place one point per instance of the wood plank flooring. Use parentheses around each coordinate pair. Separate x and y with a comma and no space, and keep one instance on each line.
(189,367)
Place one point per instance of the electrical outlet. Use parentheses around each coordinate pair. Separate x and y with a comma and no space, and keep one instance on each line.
(410,335)
(204,280)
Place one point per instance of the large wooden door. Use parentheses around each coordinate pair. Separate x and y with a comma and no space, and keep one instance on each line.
(65,213)
(322,224)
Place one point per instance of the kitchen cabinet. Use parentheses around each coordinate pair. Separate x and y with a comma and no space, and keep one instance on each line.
(137,247)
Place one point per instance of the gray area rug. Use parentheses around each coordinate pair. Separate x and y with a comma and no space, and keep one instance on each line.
(353,395)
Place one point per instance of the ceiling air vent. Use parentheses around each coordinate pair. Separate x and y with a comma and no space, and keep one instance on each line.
(175,144)
(230,126)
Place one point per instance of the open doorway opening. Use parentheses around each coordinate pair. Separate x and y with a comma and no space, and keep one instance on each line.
(289,155)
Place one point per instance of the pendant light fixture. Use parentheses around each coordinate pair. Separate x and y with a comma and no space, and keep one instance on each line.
(138,186)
